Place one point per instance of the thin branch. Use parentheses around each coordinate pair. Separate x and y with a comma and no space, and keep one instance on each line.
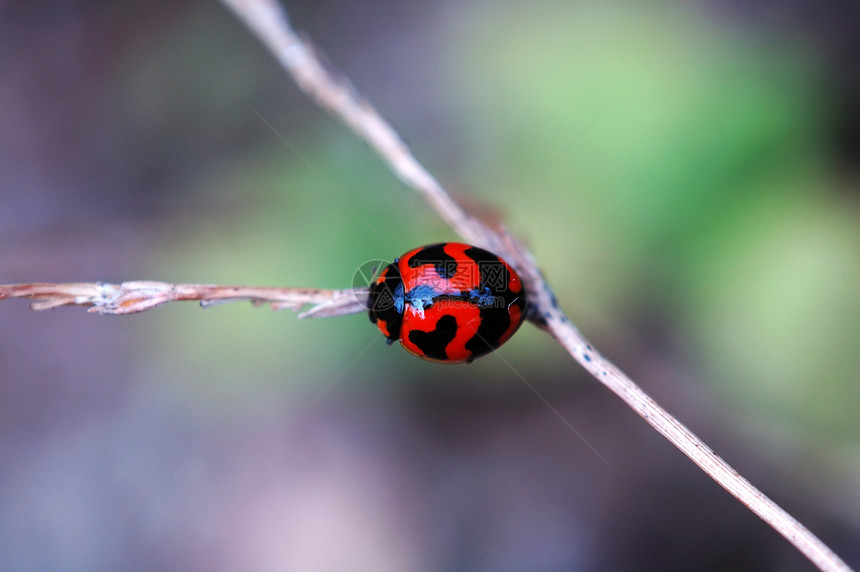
(334,93)
(139,296)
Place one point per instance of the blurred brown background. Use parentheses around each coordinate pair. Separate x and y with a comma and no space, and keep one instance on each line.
(703,231)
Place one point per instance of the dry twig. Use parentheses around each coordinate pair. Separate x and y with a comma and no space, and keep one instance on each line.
(139,296)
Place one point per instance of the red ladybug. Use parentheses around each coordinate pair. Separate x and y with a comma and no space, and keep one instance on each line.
(448,302)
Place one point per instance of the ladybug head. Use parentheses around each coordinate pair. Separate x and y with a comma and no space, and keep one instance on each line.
(386,302)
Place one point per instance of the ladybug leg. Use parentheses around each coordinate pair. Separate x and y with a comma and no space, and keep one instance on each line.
(535,317)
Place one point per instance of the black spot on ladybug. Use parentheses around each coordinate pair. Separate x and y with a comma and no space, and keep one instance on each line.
(494,274)
(494,285)
(494,323)
(432,344)
(445,265)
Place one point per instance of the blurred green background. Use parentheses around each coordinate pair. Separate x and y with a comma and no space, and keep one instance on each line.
(685,172)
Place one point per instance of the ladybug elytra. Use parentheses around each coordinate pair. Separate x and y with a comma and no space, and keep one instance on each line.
(448,302)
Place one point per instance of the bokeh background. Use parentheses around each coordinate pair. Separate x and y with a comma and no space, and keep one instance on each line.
(686,172)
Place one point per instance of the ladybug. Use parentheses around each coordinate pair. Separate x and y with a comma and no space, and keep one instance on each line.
(448,302)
